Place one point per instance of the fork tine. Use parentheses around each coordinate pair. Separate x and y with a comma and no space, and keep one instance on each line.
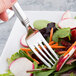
(51,50)
(43,54)
(47,51)
(40,57)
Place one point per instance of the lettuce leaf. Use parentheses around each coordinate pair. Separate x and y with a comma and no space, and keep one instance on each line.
(75,17)
(44,73)
(23,54)
(61,33)
(65,69)
(13,57)
(18,55)
(72,74)
(7,74)
(51,72)
(35,65)
(39,24)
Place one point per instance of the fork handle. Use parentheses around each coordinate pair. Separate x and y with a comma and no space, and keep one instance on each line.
(21,15)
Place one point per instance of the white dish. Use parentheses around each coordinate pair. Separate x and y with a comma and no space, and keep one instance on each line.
(13,42)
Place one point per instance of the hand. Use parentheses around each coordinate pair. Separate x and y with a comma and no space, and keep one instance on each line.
(4,5)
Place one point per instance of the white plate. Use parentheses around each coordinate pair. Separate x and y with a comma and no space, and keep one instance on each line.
(13,42)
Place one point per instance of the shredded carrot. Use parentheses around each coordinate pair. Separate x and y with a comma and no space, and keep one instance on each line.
(36,61)
(37,50)
(52,46)
(25,49)
(69,49)
(45,46)
(52,42)
(28,54)
(51,34)
(31,57)
(41,48)
(55,44)
(61,52)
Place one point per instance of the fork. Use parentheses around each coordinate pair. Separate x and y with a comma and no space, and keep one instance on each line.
(35,39)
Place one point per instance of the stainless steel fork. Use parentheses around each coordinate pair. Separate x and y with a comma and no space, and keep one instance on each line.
(35,39)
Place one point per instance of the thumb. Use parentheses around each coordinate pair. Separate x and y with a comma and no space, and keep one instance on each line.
(5,4)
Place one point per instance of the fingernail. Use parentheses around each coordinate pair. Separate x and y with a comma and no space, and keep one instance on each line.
(12,1)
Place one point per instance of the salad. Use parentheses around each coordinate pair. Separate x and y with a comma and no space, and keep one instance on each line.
(62,39)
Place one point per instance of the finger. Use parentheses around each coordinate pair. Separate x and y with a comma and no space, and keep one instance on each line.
(5,4)
(4,16)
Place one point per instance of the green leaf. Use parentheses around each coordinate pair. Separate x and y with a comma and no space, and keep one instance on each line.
(72,74)
(57,26)
(42,66)
(39,24)
(54,66)
(23,54)
(75,17)
(35,64)
(61,33)
(66,68)
(18,55)
(44,73)
(13,57)
(7,74)
(48,39)
(57,74)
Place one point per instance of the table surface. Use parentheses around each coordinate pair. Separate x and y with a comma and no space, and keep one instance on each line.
(35,5)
